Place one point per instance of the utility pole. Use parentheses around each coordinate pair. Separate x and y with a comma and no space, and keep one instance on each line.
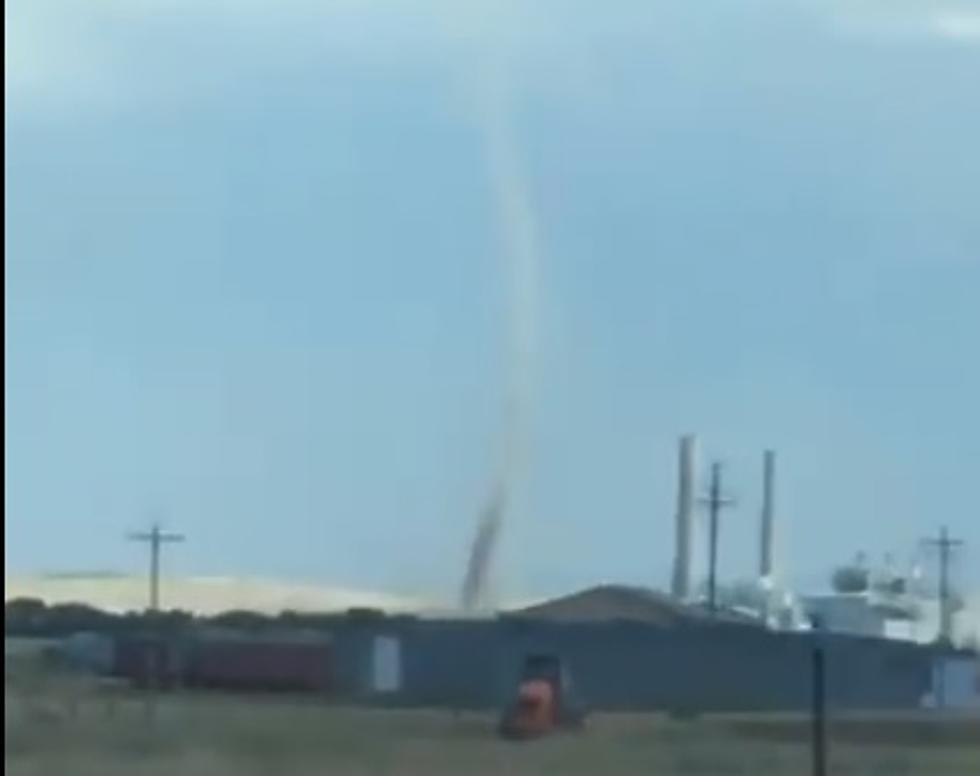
(945,546)
(714,501)
(156,538)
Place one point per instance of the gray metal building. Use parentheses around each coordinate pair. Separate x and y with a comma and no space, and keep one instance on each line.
(624,648)
(668,661)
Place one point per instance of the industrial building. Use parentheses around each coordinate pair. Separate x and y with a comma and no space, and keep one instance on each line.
(624,648)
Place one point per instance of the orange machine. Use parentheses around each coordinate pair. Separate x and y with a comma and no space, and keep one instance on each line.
(533,713)
(543,701)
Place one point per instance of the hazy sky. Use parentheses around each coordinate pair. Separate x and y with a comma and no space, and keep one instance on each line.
(253,281)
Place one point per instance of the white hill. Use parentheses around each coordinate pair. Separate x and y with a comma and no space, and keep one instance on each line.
(201,595)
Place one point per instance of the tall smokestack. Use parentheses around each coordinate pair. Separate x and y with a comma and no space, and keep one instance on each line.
(683,550)
(768,513)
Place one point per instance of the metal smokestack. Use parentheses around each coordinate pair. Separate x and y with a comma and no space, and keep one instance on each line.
(683,550)
(768,514)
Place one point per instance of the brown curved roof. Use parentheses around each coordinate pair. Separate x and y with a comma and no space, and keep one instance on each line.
(620,602)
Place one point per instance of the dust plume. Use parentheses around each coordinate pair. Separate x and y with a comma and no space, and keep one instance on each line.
(519,262)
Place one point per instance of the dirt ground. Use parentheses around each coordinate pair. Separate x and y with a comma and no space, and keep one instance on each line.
(88,731)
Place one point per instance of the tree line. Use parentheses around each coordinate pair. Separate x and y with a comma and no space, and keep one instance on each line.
(33,618)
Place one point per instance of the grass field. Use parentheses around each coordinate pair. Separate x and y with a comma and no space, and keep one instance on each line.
(64,725)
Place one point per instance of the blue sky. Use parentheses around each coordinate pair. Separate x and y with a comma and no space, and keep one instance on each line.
(254,283)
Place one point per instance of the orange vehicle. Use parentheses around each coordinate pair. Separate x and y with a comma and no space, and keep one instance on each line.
(533,713)
(543,703)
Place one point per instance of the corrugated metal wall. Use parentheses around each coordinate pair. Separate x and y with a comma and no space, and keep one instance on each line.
(613,665)
(636,666)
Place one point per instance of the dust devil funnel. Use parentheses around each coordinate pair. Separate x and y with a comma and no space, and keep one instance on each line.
(519,265)
(474,584)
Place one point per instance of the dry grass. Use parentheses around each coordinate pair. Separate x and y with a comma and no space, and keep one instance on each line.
(54,726)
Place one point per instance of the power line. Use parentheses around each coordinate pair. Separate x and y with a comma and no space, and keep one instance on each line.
(715,501)
(945,546)
(156,538)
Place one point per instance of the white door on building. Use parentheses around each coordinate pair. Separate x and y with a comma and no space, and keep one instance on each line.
(387,668)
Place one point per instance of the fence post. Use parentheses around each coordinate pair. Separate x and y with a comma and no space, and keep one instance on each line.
(819,717)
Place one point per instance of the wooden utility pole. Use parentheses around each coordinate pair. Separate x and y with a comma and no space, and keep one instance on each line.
(156,538)
(154,667)
(945,546)
(714,501)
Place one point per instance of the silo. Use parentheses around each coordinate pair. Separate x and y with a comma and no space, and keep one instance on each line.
(684,526)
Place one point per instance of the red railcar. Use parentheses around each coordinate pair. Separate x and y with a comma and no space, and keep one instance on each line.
(259,665)
(148,661)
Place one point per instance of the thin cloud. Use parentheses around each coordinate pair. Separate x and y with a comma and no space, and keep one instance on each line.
(50,58)
(71,51)
(70,54)
(902,20)
(958,26)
